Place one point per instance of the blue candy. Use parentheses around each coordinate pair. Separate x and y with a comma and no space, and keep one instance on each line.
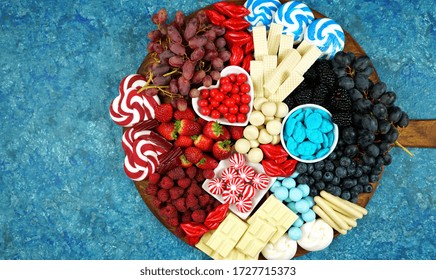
(305,189)
(302,206)
(275,185)
(287,200)
(331,137)
(299,133)
(298,223)
(295,194)
(300,116)
(314,135)
(322,153)
(326,126)
(306,148)
(295,174)
(296,112)
(261,12)
(325,143)
(309,216)
(291,144)
(310,200)
(307,157)
(281,193)
(289,127)
(281,178)
(324,114)
(307,112)
(295,233)
(313,121)
(289,183)
(291,205)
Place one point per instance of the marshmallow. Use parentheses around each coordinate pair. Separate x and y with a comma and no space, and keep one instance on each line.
(317,235)
(283,249)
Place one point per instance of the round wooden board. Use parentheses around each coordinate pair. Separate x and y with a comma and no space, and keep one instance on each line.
(350,46)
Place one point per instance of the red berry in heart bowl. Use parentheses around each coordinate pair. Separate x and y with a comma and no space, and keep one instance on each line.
(229,102)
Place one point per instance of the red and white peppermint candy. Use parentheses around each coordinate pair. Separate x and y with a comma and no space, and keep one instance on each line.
(132,172)
(131,107)
(246,173)
(237,160)
(145,155)
(216,186)
(244,204)
(235,185)
(229,197)
(260,181)
(249,191)
(228,174)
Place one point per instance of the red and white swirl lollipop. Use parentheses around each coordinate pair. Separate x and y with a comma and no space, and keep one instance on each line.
(131,107)
(145,155)
(244,204)
(246,173)
(228,174)
(216,186)
(131,171)
(260,181)
(235,185)
(237,160)
(229,197)
(249,191)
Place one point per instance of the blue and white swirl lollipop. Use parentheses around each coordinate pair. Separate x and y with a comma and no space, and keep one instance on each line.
(261,12)
(327,35)
(295,17)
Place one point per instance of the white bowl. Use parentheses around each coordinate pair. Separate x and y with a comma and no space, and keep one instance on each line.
(259,193)
(225,72)
(335,133)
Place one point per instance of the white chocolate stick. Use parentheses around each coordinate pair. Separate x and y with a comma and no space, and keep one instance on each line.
(357,207)
(327,219)
(330,212)
(341,204)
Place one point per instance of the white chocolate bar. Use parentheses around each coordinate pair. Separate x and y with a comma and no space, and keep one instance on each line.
(303,47)
(327,219)
(256,73)
(282,72)
(330,212)
(309,58)
(286,45)
(287,87)
(269,66)
(274,33)
(341,204)
(260,42)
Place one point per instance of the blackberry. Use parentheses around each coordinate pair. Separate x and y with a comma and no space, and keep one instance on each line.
(289,100)
(327,77)
(311,75)
(303,96)
(342,118)
(320,91)
(340,101)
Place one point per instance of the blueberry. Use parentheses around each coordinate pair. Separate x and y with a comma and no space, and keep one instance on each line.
(351,151)
(359,172)
(319,165)
(301,167)
(345,161)
(364,179)
(373,178)
(329,166)
(310,168)
(346,195)
(387,159)
(336,181)
(354,199)
(328,176)
(366,169)
(317,175)
(311,181)
(313,192)
(349,135)
(368,160)
(341,172)
(320,185)
(376,170)
(348,183)
(332,156)
(351,170)
(372,150)
(357,189)
(367,188)
(302,179)
(336,191)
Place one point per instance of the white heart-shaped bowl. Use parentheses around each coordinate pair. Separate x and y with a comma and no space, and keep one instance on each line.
(225,72)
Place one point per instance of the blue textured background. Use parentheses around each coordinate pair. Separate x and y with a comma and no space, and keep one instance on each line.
(63,192)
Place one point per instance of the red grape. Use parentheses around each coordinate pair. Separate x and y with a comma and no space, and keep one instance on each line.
(176,61)
(197,54)
(191,28)
(177,48)
(220,42)
(207,81)
(174,34)
(197,41)
(188,69)
(184,85)
(198,76)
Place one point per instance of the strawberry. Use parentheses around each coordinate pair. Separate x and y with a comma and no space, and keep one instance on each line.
(184,162)
(164,112)
(202,121)
(203,142)
(187,114)
(222,149)
(193,154)
(213,130)
(226,134)
(207,162)
(184,141)
(187,127)
(237,132)
(167,130)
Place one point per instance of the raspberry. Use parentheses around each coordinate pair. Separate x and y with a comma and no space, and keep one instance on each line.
(191,172)
(174,222)
(216,203)
(204,199)
(166,182)
(180,232)
(208,173)
(176,173)
(199,177)
(151,189)
(184,182)
(169,211)
(154,178)
(163,195)
(198,216)
(186,216)
(192,202)
(180,204)
(176,192)
(157,203)
(194,189)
